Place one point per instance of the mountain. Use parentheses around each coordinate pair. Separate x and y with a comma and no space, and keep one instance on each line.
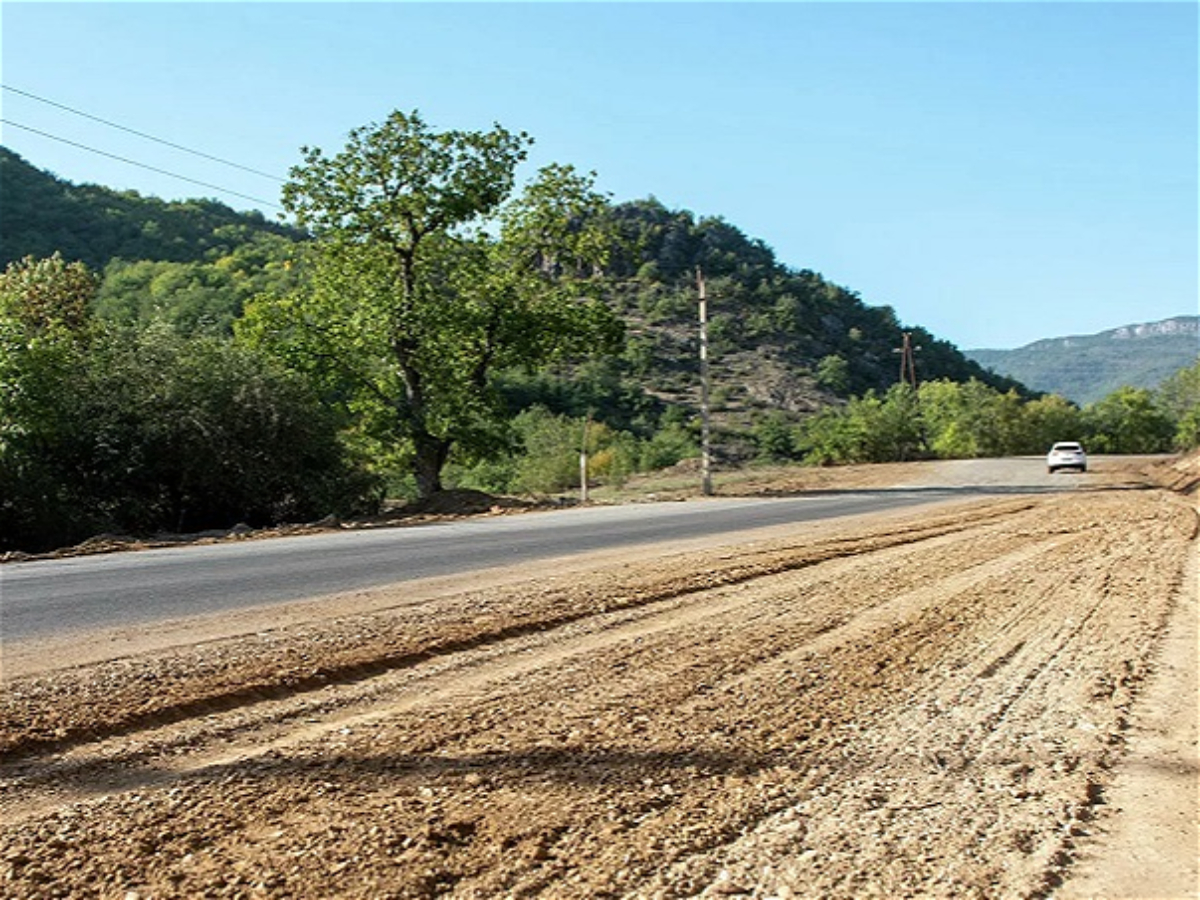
(1085,368)
(782,341)
(43,214)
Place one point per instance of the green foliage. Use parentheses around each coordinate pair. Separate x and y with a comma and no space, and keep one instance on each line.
(1187,430)
(196,297)
(871,428)
(110,429)
(833,373)
(894,425)
(968,420)
(1050,419)
(44,215)
(46,295)
(597,387)
(1179,398)
(953,425)
(673,442)
(949,420)
(775,438)
(831,437)
(551,447)
(1128,421)
(398,182)
(545,458)
(413,305)
(943,419)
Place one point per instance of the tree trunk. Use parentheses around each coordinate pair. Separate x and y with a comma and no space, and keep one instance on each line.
(430,455)
(429,452)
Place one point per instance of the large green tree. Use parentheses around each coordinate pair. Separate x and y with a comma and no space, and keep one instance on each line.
(429,275)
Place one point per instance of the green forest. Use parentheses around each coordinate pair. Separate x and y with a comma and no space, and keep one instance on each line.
(431,322)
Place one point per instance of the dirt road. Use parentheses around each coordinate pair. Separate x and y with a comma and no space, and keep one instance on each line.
(939,704)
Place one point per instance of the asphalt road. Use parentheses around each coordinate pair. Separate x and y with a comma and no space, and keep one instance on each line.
(49,598)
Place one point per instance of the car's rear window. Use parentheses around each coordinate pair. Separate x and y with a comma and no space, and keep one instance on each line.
(1067,447)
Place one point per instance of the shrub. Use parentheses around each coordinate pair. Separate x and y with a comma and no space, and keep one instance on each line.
(142,431)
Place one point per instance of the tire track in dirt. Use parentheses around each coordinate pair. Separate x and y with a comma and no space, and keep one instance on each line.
(985,741)
(102,767)
(129,694)
(903,720)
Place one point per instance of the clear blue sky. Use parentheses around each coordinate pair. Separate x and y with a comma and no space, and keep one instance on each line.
(996,172)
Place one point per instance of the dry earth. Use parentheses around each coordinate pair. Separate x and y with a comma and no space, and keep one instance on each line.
(982,699)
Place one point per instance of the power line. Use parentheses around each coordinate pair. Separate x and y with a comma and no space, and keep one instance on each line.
(141,134)
(140,165)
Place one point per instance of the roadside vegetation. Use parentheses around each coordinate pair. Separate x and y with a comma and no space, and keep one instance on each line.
(435,324)
(947,420)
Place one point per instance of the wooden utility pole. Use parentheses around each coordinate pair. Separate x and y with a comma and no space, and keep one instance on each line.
(908,361)
(705,426)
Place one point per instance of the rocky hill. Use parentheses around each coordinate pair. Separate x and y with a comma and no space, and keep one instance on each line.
(1085,368)
(783,341)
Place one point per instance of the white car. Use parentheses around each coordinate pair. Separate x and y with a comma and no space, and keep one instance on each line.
(1066,455)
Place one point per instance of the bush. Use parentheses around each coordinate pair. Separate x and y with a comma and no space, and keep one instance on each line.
(774,438)
(670,444)
(142,431)
(545,458)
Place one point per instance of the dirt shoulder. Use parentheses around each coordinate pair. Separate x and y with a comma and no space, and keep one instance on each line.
(1149,843)
(943,704)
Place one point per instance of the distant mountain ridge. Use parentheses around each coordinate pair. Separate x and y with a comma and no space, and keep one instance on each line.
(1085,368)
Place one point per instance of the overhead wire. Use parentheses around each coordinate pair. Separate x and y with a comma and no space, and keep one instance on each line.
(141,165)
(134,162)
(140,134)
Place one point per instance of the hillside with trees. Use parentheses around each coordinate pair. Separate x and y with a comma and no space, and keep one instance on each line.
(782,340)
(181,366)
(44,215)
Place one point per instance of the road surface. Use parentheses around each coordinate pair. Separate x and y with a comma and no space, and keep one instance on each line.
(55,596)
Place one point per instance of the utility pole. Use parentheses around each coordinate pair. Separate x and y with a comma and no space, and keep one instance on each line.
(908,362)
(705,426)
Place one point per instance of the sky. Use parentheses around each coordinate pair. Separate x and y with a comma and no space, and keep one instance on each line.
(996,172)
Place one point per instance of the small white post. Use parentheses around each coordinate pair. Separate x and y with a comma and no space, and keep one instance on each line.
(583,462)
